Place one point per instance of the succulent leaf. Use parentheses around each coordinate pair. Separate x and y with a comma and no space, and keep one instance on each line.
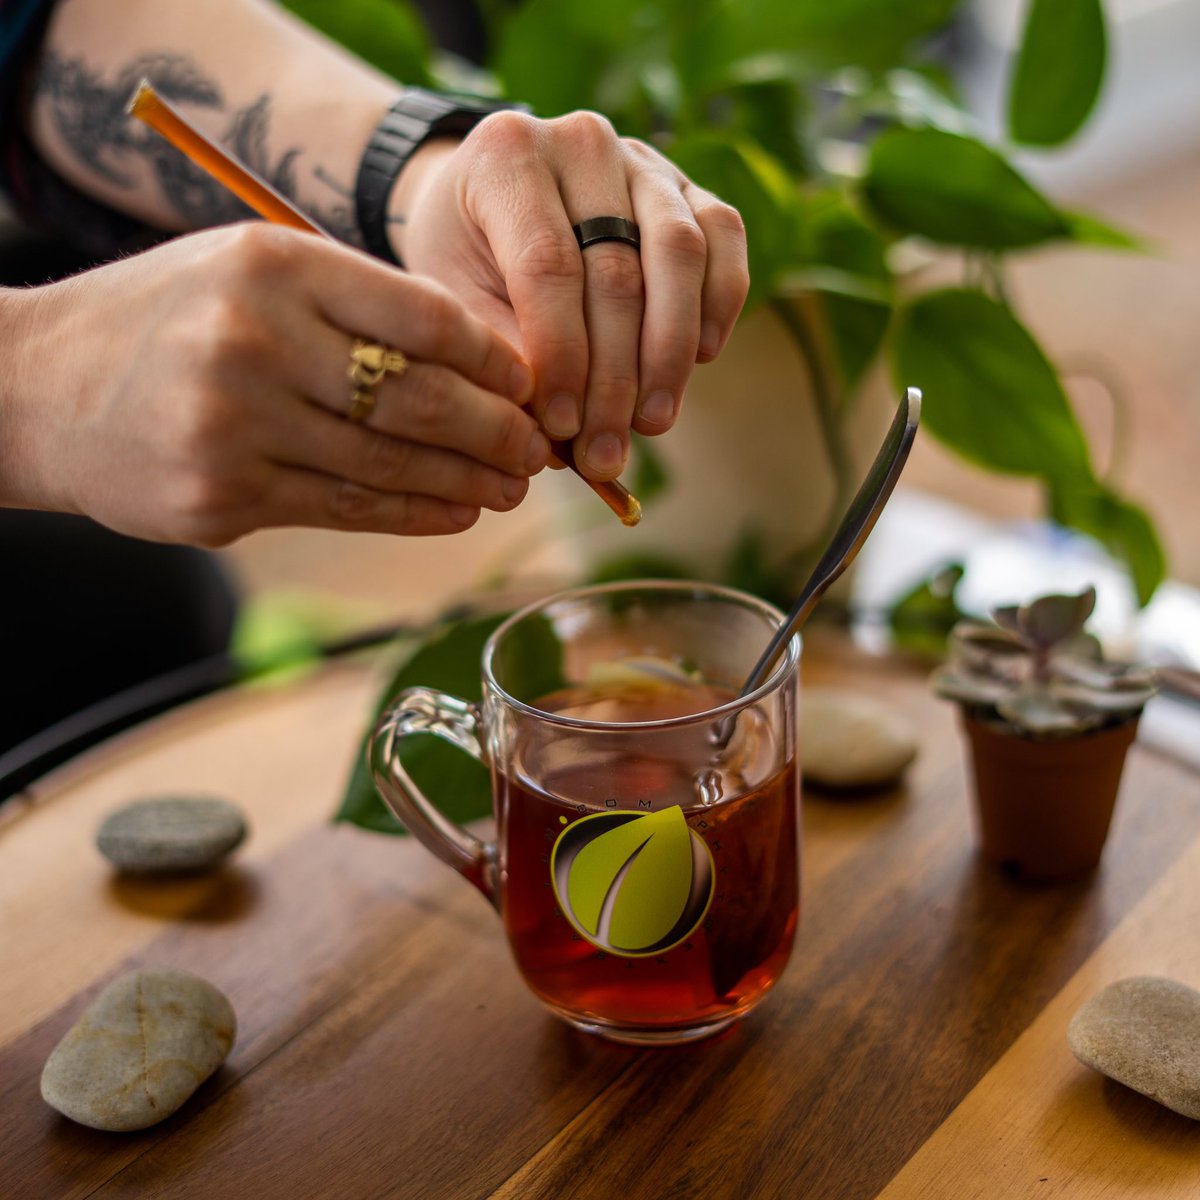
(969,689)
(1036,710)
(1049,620)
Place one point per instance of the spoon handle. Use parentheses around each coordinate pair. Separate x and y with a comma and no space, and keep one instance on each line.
(858,522)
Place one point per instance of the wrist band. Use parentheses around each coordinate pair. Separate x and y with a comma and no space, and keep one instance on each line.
(415,117)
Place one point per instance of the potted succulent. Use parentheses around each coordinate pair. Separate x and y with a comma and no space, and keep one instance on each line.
(1048,721)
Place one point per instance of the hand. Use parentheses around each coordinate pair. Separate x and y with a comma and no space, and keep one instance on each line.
(198,391)
(612,338)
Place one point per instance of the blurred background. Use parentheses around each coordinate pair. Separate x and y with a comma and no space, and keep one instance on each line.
(1125,322)
(806,135)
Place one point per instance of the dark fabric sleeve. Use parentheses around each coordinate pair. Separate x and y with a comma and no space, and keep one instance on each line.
(40,197)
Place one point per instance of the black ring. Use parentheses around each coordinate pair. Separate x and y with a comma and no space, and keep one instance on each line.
(607,229)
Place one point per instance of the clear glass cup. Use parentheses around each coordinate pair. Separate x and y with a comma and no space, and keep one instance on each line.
(646,861)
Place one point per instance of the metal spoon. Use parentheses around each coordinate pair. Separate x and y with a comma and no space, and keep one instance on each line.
(858,522)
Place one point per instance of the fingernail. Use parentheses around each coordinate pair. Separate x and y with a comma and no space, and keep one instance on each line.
(520,383)
(463,515)
(658,408)
(513,488)
(710,338)
(562,416)
(605,454)
(539,452)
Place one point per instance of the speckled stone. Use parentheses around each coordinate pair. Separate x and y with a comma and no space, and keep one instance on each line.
(146,1043)
(852,741)
(1144,1032)
(171,833)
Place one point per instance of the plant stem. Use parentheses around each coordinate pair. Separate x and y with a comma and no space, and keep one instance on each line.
(801,321)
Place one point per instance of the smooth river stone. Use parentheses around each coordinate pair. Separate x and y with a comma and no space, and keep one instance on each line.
(172,833)
(146,1043)
(852,741)
(1144,1032)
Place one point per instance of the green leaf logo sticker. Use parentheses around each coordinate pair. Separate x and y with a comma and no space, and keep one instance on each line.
(633,884)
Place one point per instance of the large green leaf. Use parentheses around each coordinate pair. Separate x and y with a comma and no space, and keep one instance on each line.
(816,36)
(556,54)
(386,33)
(744,175)
(1121,527)
(990,393)
(956,190)
(772,112)
(1092,231)
(1059,71)
(841,240)
(449,660)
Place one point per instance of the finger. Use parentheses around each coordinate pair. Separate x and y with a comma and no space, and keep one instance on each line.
(674,259)
(428,403)
(318,441)
(311,498)
(727,279)
(418,316)
(530,238)
(612,307)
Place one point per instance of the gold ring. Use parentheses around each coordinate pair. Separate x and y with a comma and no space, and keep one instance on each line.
(369,363)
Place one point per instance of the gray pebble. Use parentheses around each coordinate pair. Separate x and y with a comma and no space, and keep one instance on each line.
(1144,1032)
(173,833)
(146,1043)
(850,740)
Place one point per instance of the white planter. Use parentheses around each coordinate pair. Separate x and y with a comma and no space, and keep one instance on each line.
(747,453)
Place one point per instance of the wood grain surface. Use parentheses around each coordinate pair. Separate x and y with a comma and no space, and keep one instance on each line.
(387,1047)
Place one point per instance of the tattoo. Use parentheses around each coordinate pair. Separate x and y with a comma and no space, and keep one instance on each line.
(90,116)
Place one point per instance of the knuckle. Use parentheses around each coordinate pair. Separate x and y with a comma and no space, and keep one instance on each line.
(236,336)
(646,154)
(425,403)
(349,503)
(589,130)
(682,238)
(438,324)
(617,385)
(481,485)
(615,273)
(512,443)
(509,136)
(725,217)
(258,251)
(547,255)
(388,458)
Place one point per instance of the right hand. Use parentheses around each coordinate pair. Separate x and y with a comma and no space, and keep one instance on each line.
(198,391)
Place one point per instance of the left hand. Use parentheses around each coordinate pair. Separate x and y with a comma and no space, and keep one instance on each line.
(612,337)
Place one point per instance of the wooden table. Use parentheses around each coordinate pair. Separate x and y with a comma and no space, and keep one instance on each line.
(387,1048)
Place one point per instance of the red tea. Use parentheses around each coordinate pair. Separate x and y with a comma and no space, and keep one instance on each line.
(638,890)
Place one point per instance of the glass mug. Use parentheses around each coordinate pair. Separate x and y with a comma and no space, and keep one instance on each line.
(646,862)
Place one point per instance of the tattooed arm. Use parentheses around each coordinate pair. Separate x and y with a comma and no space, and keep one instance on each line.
(612,335)
(288,102)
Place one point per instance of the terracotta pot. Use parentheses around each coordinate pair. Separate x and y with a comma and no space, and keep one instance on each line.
(1045,804)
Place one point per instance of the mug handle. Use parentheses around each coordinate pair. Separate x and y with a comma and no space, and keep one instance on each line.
(425,710)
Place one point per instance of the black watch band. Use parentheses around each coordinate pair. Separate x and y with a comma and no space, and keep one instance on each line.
(415,117)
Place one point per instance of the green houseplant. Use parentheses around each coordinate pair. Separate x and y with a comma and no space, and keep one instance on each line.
(837,134)
(1048,722)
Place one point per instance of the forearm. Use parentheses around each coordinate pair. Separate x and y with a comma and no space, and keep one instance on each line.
(291,104)
(24,324)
